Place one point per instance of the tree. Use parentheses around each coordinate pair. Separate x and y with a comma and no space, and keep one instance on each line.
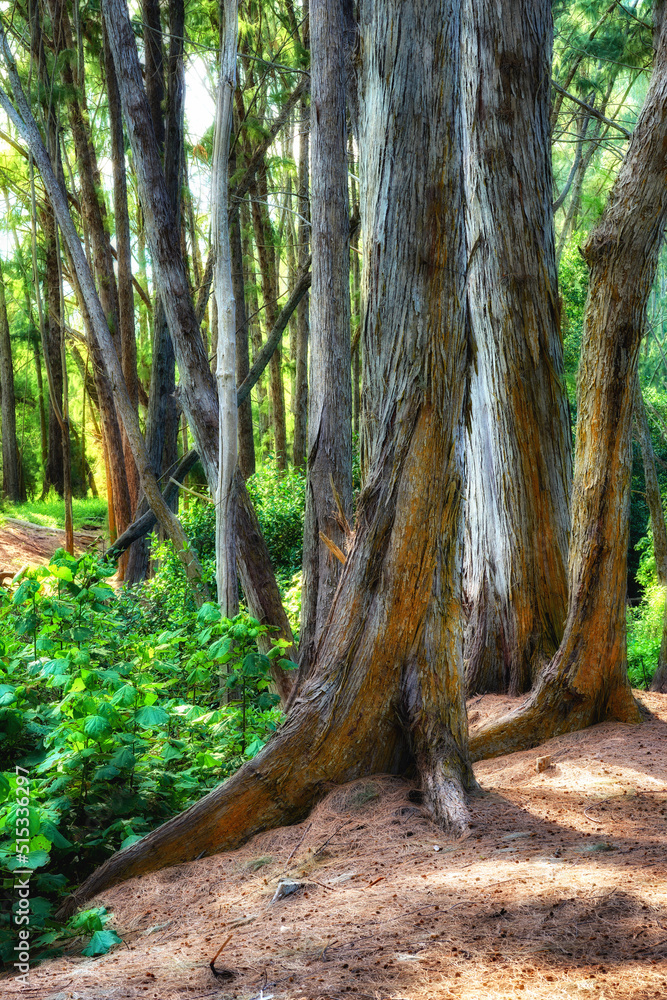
(392,648)
(329,469)
(518,449)
(225,525)
(587,679)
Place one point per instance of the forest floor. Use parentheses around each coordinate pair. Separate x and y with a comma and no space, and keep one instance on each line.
(23,543)
(559,890)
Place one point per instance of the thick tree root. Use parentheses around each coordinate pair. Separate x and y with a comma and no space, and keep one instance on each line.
(281,785)
(551,710)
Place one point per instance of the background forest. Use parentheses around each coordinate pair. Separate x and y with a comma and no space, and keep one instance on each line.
(128,703)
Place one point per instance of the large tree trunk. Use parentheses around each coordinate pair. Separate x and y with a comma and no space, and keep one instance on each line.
(329,471)
(587,679)
(518,450)
(10,459)
(392,648)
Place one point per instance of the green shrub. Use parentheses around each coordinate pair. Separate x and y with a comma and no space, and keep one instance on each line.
(118,725)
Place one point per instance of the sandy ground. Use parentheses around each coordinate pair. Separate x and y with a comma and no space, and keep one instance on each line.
(25,544)
(559,890)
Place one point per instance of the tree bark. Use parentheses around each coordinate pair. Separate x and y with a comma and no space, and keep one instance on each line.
(518,450)
(587,679)
(128,344)
(225,506)
(302,317)
(392,648)
(10,456)
(329,469)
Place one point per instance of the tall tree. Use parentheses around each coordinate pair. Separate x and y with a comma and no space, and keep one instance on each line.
(329,469)
(518,451)
(388,680)
(225,524)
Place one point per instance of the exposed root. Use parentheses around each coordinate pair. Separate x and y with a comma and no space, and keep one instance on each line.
(552,709)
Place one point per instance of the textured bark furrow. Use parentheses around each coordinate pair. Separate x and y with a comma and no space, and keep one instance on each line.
(518,448)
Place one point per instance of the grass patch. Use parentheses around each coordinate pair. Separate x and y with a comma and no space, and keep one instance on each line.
(87,512)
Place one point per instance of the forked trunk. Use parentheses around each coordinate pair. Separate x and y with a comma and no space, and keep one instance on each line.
(387,683)
(587,679)
(518,450)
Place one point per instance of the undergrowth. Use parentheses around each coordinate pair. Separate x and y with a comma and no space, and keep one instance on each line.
(117,722)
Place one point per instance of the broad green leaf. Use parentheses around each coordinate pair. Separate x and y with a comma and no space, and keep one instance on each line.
(95,726)
(151,715)
(101,942)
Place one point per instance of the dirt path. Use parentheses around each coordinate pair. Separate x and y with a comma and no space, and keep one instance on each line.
(25,544)
(560,890)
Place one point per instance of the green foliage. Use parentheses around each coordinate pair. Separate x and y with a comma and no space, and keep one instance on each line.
(644,635)
(119,725)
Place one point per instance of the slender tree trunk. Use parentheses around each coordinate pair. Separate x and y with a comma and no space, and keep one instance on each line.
(264,239)
(659,529)
(154,65)
(225,522)
(128,344)
(246,443)
(518,450)
(302,315)
(54,466)
(10,459)
(329,471)
(255,332)
(392,648)
(587,679)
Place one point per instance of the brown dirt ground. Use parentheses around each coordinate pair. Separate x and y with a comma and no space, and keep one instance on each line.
(559,890)
(25,544)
